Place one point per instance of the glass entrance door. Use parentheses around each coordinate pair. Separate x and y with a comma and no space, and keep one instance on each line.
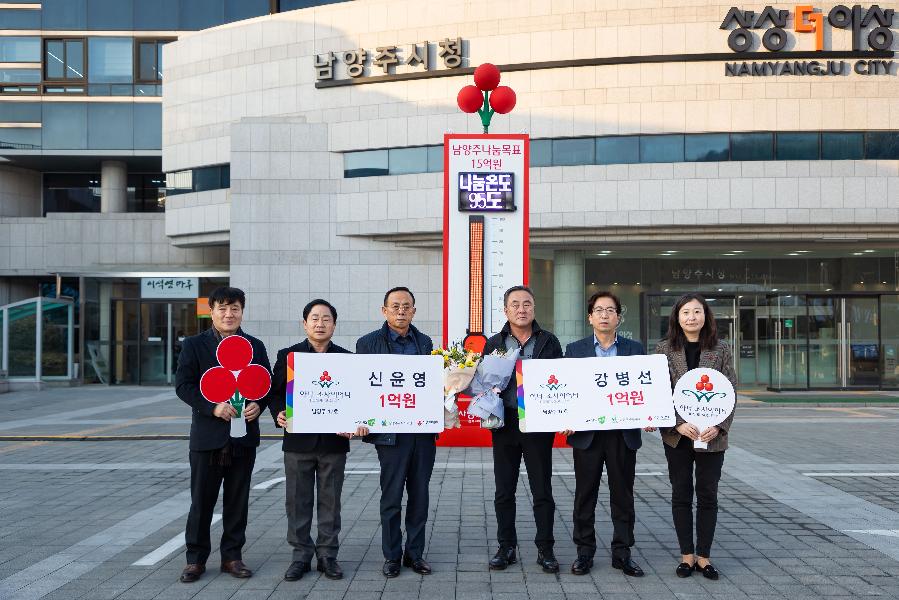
(862,347)
(147,339)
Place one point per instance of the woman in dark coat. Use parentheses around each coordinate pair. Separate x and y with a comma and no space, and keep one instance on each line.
(692,342)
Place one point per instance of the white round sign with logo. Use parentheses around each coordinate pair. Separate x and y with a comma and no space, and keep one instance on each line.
(705,398)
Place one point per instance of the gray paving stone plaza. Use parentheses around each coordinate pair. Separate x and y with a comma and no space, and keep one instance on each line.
(809,508)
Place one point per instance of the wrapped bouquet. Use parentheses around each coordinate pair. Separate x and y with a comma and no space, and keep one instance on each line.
(458,370)
(491,378)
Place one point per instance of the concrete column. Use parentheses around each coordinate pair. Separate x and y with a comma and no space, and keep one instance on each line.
(569,312)
(113,186)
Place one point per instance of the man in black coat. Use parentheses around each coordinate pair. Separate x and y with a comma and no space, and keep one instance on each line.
(311,459)
(510,444)
(617,449)
(217,459)
(407,459)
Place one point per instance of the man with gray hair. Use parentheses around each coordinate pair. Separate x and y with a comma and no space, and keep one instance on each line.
(521,331)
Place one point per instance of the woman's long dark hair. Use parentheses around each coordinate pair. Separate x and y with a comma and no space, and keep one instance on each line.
(708,335)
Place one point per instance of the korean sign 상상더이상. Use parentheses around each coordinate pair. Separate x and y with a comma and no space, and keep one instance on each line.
(704,397)
(583,394)
(335,393)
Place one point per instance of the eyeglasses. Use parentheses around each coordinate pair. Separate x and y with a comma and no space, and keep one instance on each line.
(607,311)
(396,308)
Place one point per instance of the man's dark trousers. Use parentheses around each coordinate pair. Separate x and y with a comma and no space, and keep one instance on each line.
(322,471)
(205,481)
(408,464)
(609,448)
(509,446)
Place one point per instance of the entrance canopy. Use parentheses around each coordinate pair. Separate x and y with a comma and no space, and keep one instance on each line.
(37,342)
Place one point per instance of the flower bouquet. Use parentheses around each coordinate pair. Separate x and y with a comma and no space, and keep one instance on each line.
(458,369)
(491,377)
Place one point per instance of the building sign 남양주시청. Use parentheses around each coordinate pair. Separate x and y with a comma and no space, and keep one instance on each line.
(872,38)
(386,58)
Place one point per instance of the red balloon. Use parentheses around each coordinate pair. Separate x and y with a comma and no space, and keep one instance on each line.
(502,99)
(234,352)
(699,386)
(218,384)
(254,382)
(486,77)
(704,378)
(709,387)
(470,99)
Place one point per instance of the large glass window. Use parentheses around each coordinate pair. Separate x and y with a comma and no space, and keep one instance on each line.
(201,14)
(661,148)
(842,145)
(618,150)
(64,14)
(407,160)
(365,164)
(752,146)
(71,192)
(20,19)
(149,60)
(64,59)
(576,151)
(25,138)
(236,10)
(20,75)
(111,60)
(110,15)
(706,147)
(435,159)
(882,145)
(797,146)
(20,49)
(20,112)
(147,126)
(541,153)
(110,126)
(65,126)
(156,15)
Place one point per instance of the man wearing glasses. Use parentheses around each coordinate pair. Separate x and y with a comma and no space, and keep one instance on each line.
(407,459)
(617,449)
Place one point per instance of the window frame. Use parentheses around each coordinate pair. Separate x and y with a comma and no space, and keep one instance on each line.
(137,44)
(52,81)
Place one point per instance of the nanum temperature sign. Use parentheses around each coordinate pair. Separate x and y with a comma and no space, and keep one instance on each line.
(485,231)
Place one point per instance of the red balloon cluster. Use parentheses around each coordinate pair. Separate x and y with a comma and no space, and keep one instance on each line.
(486,79)
(234,354)
(552,379)
(704,384)
(325,376)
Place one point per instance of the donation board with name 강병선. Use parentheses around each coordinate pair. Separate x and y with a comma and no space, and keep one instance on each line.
(583,394)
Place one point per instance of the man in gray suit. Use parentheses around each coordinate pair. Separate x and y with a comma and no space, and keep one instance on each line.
(616,449)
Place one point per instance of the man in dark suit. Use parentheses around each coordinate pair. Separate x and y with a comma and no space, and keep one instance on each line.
(407,459)
(616,449)
(510,444)
(217,459)
(311,459)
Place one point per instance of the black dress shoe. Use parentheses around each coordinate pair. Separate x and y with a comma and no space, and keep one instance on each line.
(391,568)
(504,557)
(329,566)
(547,560)
(709,571)
(296,569)
(419,565)
(684,570)
(628,567)
(192,572)
(582,565)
